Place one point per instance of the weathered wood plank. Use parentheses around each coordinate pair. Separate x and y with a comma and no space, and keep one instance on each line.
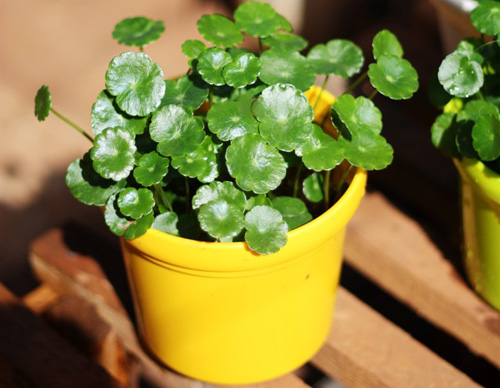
(396,253)
(41,298)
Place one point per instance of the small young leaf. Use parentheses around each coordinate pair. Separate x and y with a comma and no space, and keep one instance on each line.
(464,139)
(135,203)
(255,165)
(219,30)
(243,71)
(106,115)
(231,119)
(258,19)
(386,43)
(293,210)
(357,114)
(188,91)
(113,153)
(176,130)
(312,187)
(166,222)
(136,82)
(151,168)
(266,230)
(444,133)
(221,219)
(192,48)
(43,102)
(201,164)
(287,67)
(138,31)
(286,41)
(340,57)
(486,17)
(460,75)
(216,191)
(486,137)
(122,226)
(258,200)
(210,64)
(285,116)
(393,77)
(320,151)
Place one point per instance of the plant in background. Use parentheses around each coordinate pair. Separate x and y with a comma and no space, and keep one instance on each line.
(470,93)
(220,153)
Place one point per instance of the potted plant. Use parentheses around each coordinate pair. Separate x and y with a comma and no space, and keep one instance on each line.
(221,185)
(468,130)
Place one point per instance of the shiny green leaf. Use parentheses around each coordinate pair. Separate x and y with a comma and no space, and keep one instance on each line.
(123,226)
(460,75)
(188,91)
(135,203)
(486,17)
(166,222)
(266,230)
(258,19)
(470,47)
(312,187)
(192,48)
(486,137)
(386,43)
(242,71)
(258,200)
(293,210)
(221,219)
(475,109)
(393,77)
(219,30)
(231,119)
(151,168)
(286,41)
(444,133)
(43,102)
(216,191)
(320,151)
(339,57)
(367,149)
(138,31)
(210,64)
(357,114)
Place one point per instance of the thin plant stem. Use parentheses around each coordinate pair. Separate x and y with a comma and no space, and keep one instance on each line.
(480,95)
(188,195)
(72,124)
(296,182)
(326,189)
(341,182)
(360,79)
(321,91)
(373,94)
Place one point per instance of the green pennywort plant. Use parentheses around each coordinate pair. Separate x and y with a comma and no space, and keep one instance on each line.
(468,92)
(231,151)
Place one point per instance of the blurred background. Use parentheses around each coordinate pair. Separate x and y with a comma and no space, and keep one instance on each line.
(67,45)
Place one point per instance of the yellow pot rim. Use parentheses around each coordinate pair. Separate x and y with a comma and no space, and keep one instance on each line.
(482,178)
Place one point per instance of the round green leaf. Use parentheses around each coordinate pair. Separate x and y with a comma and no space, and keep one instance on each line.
(368,150)
(221,219)
(88,186)
(201,164)
(475,109)
(123,226)
(210,64)
(266,230)
(357,115)
(460,75)
(283,23)
(285,116)
(393,77)
(258,19)
(219,30)
(258,200)
(136,82)
(287,67)
(486,17)
(312,187)
(320,151)
(286,41)
(176,130)
(192,48)
(386,43)
(135,203)
(243,71)
(340,57)
(470,47)
(255,165)
(215,191)
(293,210)
(113,153)
(444,133)
(187,91)
(43,102)
(464,139)
(486,137)
(166,222)
(106,115)
(138,31)
(151,168)
(231,119)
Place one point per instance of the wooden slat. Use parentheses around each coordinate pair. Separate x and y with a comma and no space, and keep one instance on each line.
(365,350)
(41,298)
(396,253)
(70,273)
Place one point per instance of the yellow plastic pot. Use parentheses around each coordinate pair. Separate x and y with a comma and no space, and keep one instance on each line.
(481,228)
(220,313)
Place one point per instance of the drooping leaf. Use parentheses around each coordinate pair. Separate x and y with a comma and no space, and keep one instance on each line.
(255,165)
(113,153)
(386,43)
(486,137)
(151,168)
(320,151)
(188,91)
(166,222)
(231,119)
(135,203)
(210,64)
(287,67)
(293,210)
(88,186)
(460,76)
(136,82)
(219,30)
(138,31)
(258,19)
(258,200)
(242,71)
(285,116)
(393,77)
(176,130)
(43,102)
(464,139)
(201,163)
(286,41)
(266,230)
(122,226)
(312,187)
(357,114)
(192,48)
(215,191)
(339,56)
(486,17)
(221,219)
(106,115)
(444,133)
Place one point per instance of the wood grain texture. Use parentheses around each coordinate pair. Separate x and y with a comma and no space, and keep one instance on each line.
(396,253)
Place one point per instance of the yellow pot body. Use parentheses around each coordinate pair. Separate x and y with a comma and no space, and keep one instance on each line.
(220,313)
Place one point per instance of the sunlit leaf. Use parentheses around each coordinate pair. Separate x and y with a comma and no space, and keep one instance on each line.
(312,187)
(210,64)
(219,30)
(320,151)
(393,77)
(258,19)
(266,230)
(293,210)
(215,191)
(43,102)
(242,71)
(386,43)
(258,200)
(192,48)
(286,41)
(188,91)
(221,219)
(151,168)
(231,119)
(201,163)
(460,75)
(122,226)
(340,57)
(358,114)
(138,31)
(166,222)
(135,203)
(486,17)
